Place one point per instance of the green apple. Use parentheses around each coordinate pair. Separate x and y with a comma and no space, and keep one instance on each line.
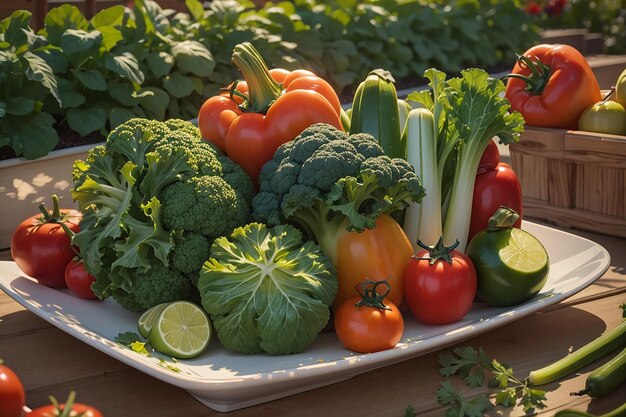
(604,117)
(620,89)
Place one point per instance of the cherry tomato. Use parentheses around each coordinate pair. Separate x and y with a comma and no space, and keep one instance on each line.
(492,189)
(490,158)
(440,284)
(369,323)
(12,396)
(41,247)
(78,280)
(57,410)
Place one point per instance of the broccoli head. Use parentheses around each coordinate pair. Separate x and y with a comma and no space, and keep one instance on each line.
(154,197)
(327,182)
(156,285)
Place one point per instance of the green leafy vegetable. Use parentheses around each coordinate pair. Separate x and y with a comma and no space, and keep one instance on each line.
(468,111)
(267,290)
(154,197)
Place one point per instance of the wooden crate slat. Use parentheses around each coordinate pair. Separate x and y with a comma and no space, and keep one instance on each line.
(533,176)
(573,178)
(559,182)
(612,201)
(595,148)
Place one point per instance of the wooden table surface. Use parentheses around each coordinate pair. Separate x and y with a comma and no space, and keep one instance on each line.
(51,362)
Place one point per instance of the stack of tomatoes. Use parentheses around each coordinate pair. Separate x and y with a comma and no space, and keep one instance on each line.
(41,247)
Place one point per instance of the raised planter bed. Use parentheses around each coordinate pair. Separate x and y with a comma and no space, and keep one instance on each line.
(573,178)
(24,184)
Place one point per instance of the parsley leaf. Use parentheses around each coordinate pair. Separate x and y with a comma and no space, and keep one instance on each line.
(128,338)
(472,365)
(461,407)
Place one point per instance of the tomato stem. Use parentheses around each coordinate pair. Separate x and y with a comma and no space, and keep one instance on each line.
(67,408)
(54,216)
(438,252)
(370,297)
(262,89)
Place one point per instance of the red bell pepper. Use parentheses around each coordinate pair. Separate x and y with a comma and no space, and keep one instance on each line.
(551,85)
(252,118)
(493,188)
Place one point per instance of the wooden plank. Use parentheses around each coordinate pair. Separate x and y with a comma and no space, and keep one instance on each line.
(612,203)
(595,148)
(532,173)
(541,142)
(560,174)
(591,187)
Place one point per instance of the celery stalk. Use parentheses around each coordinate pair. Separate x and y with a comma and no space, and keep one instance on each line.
(599,347)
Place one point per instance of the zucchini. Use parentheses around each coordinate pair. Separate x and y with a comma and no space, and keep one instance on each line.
(607,377)
(617,412)
(375,111)
(594,350)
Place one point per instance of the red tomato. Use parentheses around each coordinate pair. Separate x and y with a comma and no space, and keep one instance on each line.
(12,396)
(440,284)
(492,189)
(78,280)
(55,410)
(40,246)
(490,158)
(369,323)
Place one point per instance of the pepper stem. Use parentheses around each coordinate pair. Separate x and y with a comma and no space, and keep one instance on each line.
(370,297)
(539,76)
(503,218)
(439,251)
(262,89)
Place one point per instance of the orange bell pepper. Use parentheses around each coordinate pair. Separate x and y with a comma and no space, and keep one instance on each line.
(252,118)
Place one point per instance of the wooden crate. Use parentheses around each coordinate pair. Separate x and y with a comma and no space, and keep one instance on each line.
(573,178)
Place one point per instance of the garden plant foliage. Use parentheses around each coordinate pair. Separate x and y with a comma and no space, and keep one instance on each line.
(94,74)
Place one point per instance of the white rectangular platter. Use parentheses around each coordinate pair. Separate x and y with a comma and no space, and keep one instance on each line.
(226,381)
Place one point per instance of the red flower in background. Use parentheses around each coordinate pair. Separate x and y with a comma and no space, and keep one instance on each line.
(550,7)
(533,7)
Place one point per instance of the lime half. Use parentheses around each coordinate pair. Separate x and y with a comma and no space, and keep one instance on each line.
(147,319)
(511,264)
(524,253)
(182,330)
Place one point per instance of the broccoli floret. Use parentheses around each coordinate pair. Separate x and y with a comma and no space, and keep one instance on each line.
(207,205)
(327,183)
(159,284)
(155,196)
(190,252)
(185,126)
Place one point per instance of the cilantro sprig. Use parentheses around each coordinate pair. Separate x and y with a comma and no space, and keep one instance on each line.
(475,367)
